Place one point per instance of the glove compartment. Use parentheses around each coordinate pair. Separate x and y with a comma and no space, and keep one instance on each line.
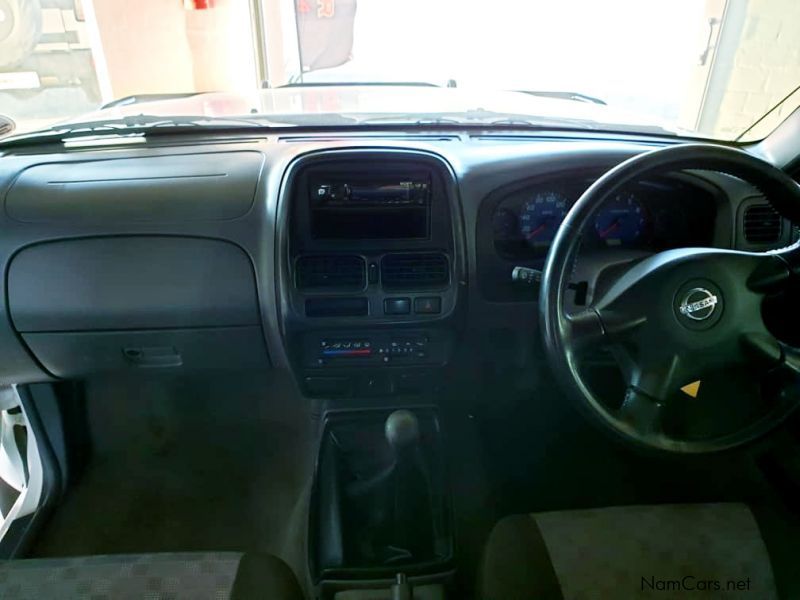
(136,302)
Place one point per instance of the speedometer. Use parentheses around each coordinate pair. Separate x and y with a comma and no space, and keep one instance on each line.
(540,217)
(621,221)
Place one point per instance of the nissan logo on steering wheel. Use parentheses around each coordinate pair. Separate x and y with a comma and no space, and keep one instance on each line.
(698,304)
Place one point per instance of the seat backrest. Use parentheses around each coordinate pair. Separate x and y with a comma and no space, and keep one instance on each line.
(629,552)
(178,576)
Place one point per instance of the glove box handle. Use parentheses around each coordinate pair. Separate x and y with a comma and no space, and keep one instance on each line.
(153,356)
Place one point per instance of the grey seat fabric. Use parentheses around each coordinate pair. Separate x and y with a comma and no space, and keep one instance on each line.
(669,551)
(168,576)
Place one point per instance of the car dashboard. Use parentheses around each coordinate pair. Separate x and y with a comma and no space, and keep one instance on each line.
(367,265)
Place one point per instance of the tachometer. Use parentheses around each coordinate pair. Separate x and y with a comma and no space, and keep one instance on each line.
(621,221)
(541,216)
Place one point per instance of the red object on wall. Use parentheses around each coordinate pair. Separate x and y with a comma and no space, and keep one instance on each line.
(198,4)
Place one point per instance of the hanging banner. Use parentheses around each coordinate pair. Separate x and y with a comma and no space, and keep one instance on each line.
(325,32)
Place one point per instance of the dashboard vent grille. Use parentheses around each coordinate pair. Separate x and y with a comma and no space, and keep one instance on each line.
(381,136)
(330,272)
(762,224)
(414,270)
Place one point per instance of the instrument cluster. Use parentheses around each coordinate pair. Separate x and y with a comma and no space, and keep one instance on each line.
(649,216)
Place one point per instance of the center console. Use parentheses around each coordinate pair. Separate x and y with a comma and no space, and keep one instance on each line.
(372,273)
(380,507)
(372,278)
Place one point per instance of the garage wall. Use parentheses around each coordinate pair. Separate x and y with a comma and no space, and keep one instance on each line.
(162,64)
(185,50)
(758,64)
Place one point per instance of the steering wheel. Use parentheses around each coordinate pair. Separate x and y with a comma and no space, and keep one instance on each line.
(679,319)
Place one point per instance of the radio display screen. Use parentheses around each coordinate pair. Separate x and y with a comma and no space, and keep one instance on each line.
(356,208)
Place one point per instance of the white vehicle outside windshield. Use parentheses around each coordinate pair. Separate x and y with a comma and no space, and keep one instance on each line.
(704,68)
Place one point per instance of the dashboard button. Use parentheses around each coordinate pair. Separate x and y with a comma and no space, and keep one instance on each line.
(396,306)
(428,306)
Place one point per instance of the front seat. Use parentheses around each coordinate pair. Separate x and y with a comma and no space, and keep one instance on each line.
(173,576)
(669,551)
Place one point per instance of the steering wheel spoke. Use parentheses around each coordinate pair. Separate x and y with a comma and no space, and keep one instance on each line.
(778,366)
(762,349)
(590,328)
(584,330)
(791,359)
(641,412)
(655,375)
(784,380)
(619,325)
(770,354)
(791,258)
(772,273)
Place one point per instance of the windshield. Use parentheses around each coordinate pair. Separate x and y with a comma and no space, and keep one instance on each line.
(701,68)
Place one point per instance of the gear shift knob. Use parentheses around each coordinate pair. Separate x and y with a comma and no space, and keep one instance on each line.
(402,429)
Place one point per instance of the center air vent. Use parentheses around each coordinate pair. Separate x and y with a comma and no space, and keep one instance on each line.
(762,224)
(414,270)
(330,272)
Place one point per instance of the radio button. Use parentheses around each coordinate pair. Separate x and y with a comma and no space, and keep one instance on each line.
(397,306)
(428,306)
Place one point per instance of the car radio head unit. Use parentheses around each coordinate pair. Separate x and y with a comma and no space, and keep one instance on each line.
(370,206)
(396,192)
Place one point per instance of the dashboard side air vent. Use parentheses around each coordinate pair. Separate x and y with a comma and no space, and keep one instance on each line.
(330,272)
(414,270)
(762,224)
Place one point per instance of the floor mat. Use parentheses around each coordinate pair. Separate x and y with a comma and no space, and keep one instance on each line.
(200,464)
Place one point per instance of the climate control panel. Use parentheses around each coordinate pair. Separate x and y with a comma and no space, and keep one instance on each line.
(345,348)
(373,362)
(379,348)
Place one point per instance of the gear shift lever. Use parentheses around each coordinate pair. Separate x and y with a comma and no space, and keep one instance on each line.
(410,482)
(402,430)
(397,500)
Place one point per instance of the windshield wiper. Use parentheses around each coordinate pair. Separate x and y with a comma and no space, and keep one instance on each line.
(480,118)
(476,116)
(313,84)
(576,96)
(136,125)
(144,98)
(412,119)
(126,124)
